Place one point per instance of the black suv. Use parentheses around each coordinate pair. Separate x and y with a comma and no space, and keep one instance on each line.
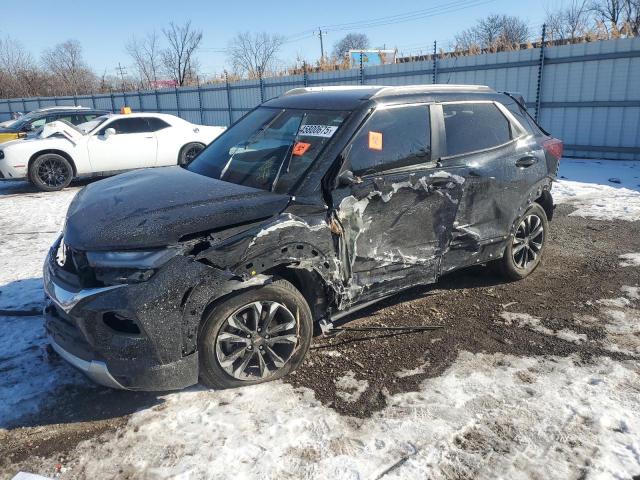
(314,204)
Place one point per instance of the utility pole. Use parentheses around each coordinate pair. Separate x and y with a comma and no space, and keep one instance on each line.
(320,32)
(122,71)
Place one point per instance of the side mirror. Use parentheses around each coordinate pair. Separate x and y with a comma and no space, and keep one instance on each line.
(27,128)
(109,131)
(347,178)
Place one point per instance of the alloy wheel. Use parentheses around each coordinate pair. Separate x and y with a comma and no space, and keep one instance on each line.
(53,172)
(257,340)
(192,153)
(528,241)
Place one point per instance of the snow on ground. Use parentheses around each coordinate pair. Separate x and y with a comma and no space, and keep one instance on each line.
(630,260)
(30,222)
(487,416)
(586,186)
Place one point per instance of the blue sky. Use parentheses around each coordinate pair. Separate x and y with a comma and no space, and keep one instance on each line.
(104,28)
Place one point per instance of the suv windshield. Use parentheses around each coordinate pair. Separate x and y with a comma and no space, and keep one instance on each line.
(270,148)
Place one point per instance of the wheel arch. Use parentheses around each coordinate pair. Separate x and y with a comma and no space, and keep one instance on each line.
(545,200)
(62,153)
(204,145)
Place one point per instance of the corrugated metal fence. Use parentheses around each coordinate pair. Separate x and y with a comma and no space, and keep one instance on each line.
(587,94)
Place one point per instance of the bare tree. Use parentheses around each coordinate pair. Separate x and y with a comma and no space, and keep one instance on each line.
(494,33)
(65,63)
(19,75)
(254,55)
(351,41)
(569,23)
(145,53)
(631,9)
(179,57)
(609,12)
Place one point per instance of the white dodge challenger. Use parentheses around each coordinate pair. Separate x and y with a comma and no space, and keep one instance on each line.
(107,145)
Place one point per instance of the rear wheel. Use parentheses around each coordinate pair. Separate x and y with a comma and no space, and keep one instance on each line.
(524,249)
(189,152)
(256,336)
(50,172)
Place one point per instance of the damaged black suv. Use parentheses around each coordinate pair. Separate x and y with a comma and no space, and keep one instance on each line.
(314,204)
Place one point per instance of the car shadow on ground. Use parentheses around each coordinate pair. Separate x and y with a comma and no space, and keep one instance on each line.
(479,276)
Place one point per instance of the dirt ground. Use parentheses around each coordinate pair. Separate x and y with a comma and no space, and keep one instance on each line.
(580,265)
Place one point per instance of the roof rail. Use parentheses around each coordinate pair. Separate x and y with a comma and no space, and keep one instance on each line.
(435,87)
(330,88)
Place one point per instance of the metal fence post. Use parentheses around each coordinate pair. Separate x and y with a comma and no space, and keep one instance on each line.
(10,109)
(157,101)
(200,103)
(261,81)
(361,70)
(113,103)
(93,101)
(226,80)
(124,98)
(305,75)
(140,101)
(177,100)
(24,106)
(39,103)
(435,62)
(540,69)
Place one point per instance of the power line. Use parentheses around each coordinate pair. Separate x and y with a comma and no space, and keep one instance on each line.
(441,9)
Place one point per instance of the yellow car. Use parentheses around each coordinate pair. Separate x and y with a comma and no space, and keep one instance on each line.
(36,119)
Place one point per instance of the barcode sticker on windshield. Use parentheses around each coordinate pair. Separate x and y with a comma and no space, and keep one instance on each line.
(317,130)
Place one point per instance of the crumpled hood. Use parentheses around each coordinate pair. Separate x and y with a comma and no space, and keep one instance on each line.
(158,206)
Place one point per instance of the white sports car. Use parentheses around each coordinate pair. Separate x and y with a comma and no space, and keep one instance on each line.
(107,145)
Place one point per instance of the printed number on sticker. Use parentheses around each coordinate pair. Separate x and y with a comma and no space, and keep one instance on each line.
(317,130)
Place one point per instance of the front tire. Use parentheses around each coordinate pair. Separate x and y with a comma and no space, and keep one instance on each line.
(50,172)
(525,246)
(189,152)
(256,336)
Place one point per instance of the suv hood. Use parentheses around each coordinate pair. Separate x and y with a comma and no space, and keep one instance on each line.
(158,206)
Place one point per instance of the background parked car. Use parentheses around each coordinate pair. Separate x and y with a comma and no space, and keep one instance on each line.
(38,118)
(103,146)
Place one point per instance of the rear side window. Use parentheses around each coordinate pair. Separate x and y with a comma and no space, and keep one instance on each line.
(392,138)
(157,124)
(127,125)
(474,126)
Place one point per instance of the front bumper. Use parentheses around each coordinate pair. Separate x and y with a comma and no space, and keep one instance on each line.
(153,359)
(8,170)
(96,371)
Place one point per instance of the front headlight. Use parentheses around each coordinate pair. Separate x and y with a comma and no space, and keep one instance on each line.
(132,259)
(129,266)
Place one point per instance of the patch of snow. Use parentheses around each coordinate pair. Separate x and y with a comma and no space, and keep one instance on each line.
(601,172)
(631,292)
(620,302)
(414,371)
(600,202)
(349,389)
(524,320)
(630,260)
(30,223)
(26,375)
(548,419)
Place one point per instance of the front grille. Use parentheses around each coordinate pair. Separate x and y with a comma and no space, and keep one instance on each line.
(73,267)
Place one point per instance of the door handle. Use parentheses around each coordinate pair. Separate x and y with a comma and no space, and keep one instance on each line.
(526,161)
(148,137)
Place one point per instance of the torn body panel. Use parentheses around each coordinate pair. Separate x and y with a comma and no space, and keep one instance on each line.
(396,227)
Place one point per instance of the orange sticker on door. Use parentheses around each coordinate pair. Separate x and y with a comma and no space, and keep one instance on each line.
(300,148)
(375,141)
